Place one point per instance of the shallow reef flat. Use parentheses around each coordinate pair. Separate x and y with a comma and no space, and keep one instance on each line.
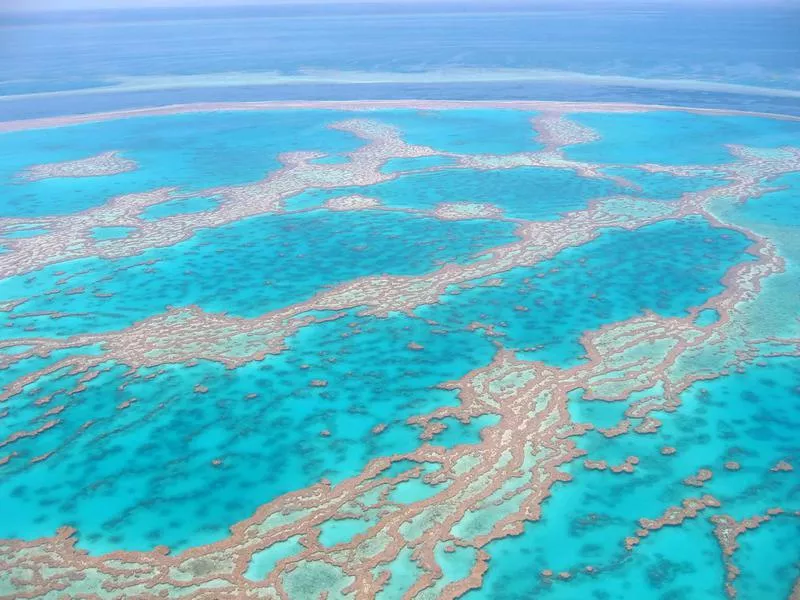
(400,351)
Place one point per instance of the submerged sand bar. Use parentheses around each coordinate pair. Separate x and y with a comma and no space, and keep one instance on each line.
(360,105)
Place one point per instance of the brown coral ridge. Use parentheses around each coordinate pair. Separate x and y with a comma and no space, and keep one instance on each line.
(529,445)
(782,466)
(506,386)
(353,202)
(70,237)
(627,466)
(101,165)
(145,343)
(547,429)
(458,211)
(727,531)
(509,474)
(673,516)
(699,479)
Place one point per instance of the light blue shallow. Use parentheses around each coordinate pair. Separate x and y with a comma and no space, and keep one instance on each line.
(269,262)
(145,475)
(182,151)
(543,311)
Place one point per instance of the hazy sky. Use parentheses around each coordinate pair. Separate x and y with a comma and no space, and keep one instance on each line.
(39,5)
(25,5)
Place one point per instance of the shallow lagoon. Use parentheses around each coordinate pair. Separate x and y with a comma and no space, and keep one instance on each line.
(135,456)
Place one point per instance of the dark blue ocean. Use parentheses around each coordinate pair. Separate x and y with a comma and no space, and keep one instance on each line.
(740,56)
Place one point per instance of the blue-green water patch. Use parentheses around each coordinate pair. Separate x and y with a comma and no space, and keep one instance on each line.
(467,131)
(111,233)
(264,561)
(767,558)
(665,186)
(341,531)
(414,163)
(181,206)
(154,481)
(677,138)
(414,490)
(456,562)
(246,268)
(525,192)
(779,208)
(180,151)
(706,317)
(543,311)
(404,574)
(23,232)
(750,418)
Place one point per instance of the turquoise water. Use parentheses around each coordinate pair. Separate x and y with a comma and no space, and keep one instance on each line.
(141,503)
(665,186)
(745,417)
(184,394)
(111,233)
(706,317)
(393,165)
(269,262)
(181,206)
(23,232)
(265,560)
(777,208)
(524,193)
(470,131)
(542,311)
(677,138)
(168,151)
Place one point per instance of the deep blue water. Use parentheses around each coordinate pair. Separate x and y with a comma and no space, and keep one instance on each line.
(674,53)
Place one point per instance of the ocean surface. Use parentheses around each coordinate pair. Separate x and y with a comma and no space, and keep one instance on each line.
(710,54)
(419,352)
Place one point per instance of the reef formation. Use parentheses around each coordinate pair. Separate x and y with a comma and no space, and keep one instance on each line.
(478,361)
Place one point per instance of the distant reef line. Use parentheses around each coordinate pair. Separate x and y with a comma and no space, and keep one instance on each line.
(368,105)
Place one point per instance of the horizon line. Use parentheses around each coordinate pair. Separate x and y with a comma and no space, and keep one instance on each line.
(97,6)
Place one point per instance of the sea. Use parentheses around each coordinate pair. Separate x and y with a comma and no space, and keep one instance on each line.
(545,345)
